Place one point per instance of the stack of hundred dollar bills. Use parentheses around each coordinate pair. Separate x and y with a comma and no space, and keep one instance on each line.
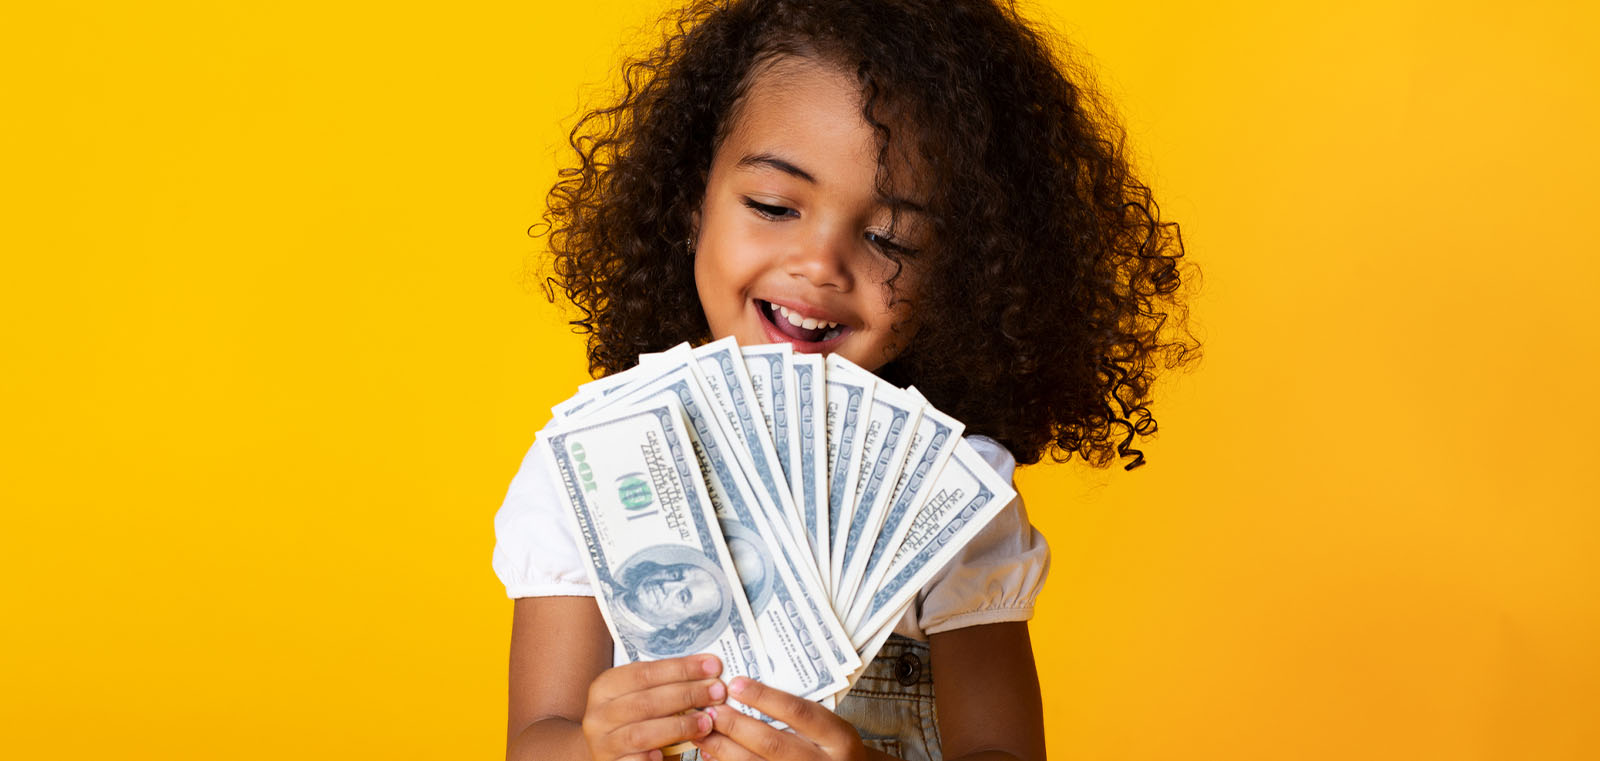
(779,510)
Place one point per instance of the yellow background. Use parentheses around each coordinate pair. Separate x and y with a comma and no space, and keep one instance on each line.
(267,363)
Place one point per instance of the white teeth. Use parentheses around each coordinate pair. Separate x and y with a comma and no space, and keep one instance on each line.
(808,323)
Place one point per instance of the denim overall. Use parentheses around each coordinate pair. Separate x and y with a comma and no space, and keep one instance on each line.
(892,705)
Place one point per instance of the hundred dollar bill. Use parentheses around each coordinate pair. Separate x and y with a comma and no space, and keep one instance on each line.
(966,495)
(768,366)
(868,651)
(891,425)
(769,378)
(598,389)
(810,479)
(722,369)
(798,639)
(849,399)
(661,571)
(934,442)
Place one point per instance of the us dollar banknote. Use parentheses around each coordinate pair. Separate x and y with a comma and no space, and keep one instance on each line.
(893,418)
(661,570)
(810,478)
(935,440)
(966,495)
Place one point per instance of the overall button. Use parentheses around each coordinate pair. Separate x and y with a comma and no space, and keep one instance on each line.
(907,669)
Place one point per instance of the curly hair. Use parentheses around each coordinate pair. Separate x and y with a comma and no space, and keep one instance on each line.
(1059,290)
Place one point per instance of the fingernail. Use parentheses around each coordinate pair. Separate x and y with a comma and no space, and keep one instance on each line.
(718,691)
(738,684)
(655,755)
(712,712)
(710,666)
(704,723)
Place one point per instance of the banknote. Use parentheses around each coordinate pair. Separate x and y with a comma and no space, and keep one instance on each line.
(849,400)
(931,446)
(770,381)
(600,388)
(870,649)
(809,482)
(658,562)
(795,637)
(966,495)
(891,426)
(722,369)
(766,367)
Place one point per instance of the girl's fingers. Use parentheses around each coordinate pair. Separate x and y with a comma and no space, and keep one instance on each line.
(647,736)
(808,719)
(736,731)
(634,677)
(653,755)
(719,747)
(665,700)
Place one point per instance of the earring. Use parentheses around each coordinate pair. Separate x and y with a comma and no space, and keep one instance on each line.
(688,245)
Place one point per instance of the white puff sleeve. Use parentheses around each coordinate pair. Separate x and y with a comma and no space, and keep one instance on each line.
(536,550)
(995,578)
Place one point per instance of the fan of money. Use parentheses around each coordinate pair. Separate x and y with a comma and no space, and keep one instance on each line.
(779,510)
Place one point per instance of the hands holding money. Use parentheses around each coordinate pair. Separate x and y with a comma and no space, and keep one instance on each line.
(775,510)
(637,708)
(817,734)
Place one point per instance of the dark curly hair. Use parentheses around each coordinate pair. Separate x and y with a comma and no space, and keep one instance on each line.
(1059,291)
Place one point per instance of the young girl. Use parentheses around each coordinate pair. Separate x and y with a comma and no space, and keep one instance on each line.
(920,186)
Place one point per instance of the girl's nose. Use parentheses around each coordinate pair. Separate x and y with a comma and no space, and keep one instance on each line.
(823,259)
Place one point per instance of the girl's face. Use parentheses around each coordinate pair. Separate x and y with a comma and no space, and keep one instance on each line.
(792,235)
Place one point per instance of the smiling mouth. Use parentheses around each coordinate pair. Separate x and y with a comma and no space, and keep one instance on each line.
(799,328)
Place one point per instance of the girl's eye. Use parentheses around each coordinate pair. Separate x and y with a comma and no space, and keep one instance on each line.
(888,245)
(768,210)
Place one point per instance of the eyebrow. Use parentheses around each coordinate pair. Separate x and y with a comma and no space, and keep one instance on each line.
(770,161)
(773,162)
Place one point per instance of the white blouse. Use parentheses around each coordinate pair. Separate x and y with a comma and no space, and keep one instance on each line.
(995,578)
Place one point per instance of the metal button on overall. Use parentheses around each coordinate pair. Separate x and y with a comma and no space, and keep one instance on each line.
(908,669)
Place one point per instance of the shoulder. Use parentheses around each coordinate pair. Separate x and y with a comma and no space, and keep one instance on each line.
(994,453)
(536,549)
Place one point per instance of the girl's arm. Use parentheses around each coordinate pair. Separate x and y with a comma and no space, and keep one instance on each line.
(568,704)
(986,692)
(558,646)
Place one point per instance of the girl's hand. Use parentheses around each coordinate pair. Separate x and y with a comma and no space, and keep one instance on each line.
(819,734)
(636,709)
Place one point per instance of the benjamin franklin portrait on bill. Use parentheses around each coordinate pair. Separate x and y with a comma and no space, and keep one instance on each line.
(669,600)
